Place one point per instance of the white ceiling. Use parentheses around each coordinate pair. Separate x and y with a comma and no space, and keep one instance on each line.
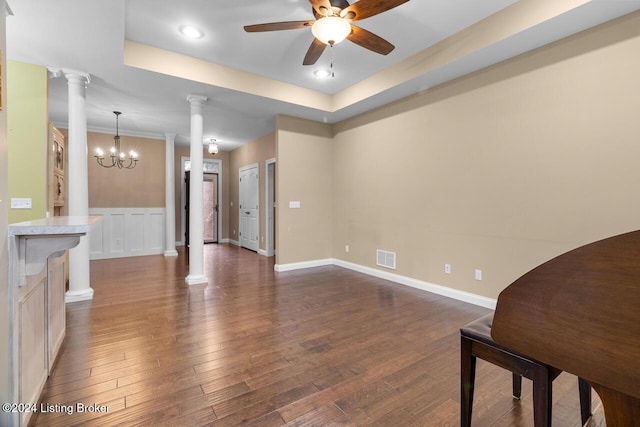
(89,36)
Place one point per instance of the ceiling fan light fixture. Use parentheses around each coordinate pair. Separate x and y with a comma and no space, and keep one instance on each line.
(331,29)
(191,32)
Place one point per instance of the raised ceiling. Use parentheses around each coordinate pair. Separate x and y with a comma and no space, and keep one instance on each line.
(141,65)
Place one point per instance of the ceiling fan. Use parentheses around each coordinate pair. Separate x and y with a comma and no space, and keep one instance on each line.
(332,24)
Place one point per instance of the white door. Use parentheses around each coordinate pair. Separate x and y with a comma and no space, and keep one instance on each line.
(249,207)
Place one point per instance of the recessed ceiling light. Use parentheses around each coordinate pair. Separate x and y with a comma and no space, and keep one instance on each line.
(191,32)
(322,74)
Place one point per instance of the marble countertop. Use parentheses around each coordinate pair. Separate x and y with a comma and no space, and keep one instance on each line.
(54,225)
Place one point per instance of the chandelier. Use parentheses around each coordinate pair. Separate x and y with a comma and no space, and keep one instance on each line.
(118,157)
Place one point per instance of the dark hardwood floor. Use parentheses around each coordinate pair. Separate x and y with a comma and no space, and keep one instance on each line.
(316,347)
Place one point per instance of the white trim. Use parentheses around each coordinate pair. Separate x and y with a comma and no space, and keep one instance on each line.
(171,253)
(81,295)
(419,284)
(269,231)
(265,253)
(305,264)
(183,202)
(196,280)
(396,278)
(233,242)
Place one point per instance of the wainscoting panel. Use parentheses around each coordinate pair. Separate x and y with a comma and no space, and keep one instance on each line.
(116,222)
(135,237)
(127,232)
(96,241)
(156,240)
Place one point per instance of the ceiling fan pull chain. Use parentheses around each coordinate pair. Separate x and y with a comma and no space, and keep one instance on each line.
(331,65)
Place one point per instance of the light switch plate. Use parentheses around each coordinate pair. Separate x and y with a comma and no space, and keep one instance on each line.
(295,204)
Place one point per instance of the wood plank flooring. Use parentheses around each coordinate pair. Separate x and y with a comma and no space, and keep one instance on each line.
(316,347)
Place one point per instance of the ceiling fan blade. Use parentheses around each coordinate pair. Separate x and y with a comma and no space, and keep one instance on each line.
(370,41)
(276,26)
(367,8)
(321,6)
(314,52)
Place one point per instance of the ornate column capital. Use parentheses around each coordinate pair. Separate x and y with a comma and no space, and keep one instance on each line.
(70,75)
(196,99)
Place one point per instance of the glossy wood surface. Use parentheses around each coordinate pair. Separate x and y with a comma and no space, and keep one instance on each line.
(315,347)
(580,312)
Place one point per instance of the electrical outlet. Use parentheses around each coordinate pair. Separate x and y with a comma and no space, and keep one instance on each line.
(346,248)
(478,274)
(447,268)
(20,203)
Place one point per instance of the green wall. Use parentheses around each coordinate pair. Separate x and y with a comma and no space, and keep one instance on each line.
(27,123)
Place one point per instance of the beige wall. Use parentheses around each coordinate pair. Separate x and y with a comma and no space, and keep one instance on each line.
(141,187)
(304,174)
(223,201)
(258,151)
(497,171)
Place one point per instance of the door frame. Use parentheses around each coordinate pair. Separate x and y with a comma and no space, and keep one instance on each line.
(183,201)
(217,207)
(270,195)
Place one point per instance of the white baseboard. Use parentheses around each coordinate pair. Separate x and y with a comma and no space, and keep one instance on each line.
(396,278)
(300,265)
(264,253)
(419,284)
(233,242)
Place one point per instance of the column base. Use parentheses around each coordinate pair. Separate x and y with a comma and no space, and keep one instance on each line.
(171,253)
(196,280)
(74,296)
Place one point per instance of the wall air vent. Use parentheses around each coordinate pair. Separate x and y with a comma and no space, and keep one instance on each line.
(386,259)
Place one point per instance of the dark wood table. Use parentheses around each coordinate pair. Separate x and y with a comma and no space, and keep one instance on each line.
(580,312)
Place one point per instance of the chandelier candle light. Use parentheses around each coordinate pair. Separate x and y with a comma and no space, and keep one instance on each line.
(118,157)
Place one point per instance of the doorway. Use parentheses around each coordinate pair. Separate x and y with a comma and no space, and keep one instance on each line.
(209,166)
(210,207)
(270,192)
(249,224)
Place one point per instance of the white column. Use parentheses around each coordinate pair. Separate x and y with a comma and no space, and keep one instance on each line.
(169,196)
(78,181)
(196,228)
